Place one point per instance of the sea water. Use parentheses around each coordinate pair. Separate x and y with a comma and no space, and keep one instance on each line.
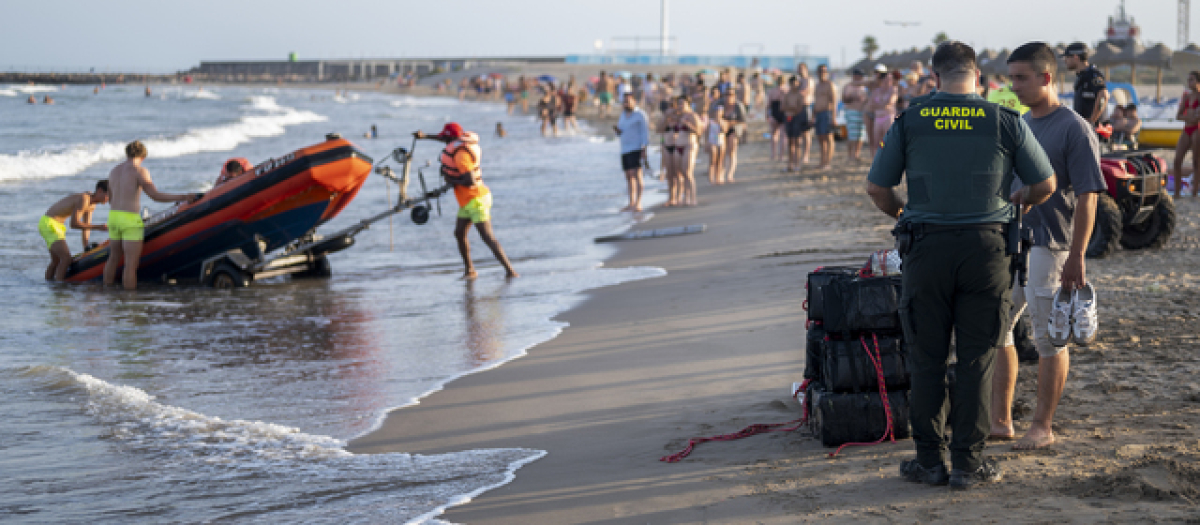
(187,404)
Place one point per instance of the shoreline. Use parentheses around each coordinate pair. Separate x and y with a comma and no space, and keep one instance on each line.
(711,348)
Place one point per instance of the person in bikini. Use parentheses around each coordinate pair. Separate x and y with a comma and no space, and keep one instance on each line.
(52,226)
(776,118)
(733,112)
(1189,140)
(687,145)
(125,227)
(668,129)
(715,137)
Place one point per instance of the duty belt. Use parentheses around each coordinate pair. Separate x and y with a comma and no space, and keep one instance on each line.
(937,228)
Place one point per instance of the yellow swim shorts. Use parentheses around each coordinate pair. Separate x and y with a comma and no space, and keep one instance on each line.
(478,209)
(125,226)
(52,231)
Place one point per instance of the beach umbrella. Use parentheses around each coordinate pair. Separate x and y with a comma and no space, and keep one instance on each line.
(1186,59)
(1129,55)
(547,79)
(1105,55)
(1159,57)
(866,65)
(998,65)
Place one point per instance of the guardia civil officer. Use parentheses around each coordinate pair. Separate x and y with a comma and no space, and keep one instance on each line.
(958,153)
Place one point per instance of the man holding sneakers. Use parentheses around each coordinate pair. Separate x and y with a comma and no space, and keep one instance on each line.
(1061,303)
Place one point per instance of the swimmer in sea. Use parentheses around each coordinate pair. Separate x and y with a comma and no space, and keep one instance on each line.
(52,226)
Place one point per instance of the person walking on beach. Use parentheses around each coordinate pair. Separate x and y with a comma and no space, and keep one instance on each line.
(1062,227)
(52,226)
(126,230)
(634,132)
(687,145)
(958,153)
(805,87)
(854,100)
(714,135)
(461,159)
(733,112)
(797,122)
(604,93)
(569,102)
(825,97)
(777,119)
(1189,139)
(1091,91)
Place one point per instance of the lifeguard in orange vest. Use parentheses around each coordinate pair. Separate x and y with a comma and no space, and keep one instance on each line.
(460,167)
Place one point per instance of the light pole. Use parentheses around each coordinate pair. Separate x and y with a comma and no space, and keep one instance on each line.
(662,33)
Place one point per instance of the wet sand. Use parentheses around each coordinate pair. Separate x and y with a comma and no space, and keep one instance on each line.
(715,344)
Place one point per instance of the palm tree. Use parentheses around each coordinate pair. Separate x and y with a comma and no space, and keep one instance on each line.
(870,46)
(940,37)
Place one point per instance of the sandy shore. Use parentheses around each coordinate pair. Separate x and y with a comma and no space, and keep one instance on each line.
(714,345)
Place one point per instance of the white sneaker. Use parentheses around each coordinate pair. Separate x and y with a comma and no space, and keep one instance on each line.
(1083,316)
(1060,318)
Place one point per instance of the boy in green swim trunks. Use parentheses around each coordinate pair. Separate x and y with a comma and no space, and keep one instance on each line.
(52,226)
(125,227)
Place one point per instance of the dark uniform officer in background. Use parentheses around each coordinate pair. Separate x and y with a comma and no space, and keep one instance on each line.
(959,152)
(1091,91)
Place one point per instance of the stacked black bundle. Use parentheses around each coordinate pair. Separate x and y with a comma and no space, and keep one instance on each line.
(854,342)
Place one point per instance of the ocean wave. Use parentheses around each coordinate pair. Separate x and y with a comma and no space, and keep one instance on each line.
(14,90)
(265,461)
(268,119)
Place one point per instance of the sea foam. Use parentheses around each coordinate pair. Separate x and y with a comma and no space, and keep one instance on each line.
(264,118)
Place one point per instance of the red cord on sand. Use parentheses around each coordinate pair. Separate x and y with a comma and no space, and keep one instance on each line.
(887,406)
(751,430)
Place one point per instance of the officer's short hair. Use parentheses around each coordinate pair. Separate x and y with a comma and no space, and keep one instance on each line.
(1039,56)
(954,59)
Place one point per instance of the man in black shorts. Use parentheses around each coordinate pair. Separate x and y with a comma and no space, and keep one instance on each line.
(797,121)
(633,129)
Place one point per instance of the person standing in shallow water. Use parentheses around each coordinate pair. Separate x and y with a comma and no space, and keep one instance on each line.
(461,167)
(125,227)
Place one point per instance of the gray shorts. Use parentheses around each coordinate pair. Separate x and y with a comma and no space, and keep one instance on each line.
(1045,272)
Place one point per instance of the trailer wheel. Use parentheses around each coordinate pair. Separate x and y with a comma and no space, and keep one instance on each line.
(1106,234)
(1155,231)
(319,268)
(227,276)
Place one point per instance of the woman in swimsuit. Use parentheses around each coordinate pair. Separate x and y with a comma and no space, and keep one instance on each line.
(776,118)
(881,102)
(687,145)
(1189,113)
(667,129)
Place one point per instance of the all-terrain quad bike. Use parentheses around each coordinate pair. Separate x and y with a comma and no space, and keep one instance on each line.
(1136,212)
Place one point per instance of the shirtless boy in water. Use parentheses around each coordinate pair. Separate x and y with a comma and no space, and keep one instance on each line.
(125,226)
(52,226)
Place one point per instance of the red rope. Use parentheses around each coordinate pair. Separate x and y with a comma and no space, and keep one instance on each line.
(876,360)
(751,430)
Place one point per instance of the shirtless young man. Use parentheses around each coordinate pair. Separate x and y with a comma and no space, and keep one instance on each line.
(825,98)
(854,100)
(805,87)
(79,207)
(796,121)
(125,226)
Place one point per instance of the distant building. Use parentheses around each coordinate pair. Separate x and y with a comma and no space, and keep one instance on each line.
(1122,31)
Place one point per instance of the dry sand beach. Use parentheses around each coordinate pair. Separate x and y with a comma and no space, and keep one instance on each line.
(714,345)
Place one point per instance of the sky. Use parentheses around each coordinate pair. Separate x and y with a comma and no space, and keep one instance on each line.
(169,35)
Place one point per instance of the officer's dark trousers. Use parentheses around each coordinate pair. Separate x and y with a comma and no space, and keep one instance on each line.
(954,281)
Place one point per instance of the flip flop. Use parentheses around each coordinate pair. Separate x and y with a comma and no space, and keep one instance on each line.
(1001,437)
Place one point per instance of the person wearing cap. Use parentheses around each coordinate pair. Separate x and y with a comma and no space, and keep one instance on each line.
(1091,93)
(854,100)
(958,154)
(460,167)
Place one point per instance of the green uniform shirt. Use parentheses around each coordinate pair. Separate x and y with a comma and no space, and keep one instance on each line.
(1012,141)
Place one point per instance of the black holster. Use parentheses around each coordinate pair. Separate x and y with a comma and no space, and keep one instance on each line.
(1018,242)
(905,235)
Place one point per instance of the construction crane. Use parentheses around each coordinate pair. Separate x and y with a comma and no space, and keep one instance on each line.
(1181,28)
